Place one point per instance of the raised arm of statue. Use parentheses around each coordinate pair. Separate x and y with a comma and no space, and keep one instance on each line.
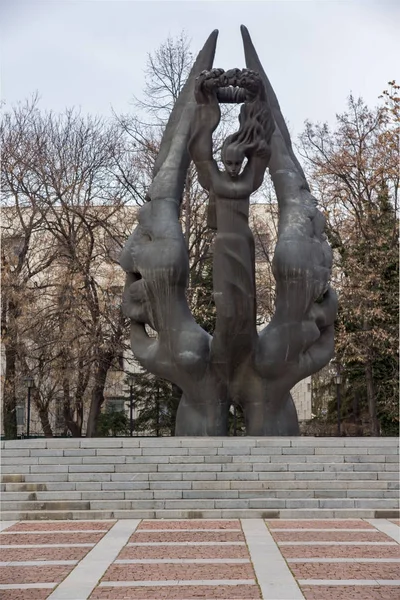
(206,119)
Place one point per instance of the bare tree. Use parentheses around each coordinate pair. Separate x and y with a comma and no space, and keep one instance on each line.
(64,201)
(355,169)
(166,72)
(22,219)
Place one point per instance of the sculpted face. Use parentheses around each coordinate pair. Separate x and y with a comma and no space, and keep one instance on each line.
(233,158)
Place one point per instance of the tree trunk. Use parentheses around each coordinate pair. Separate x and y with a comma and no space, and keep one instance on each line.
(73,427)
(356,414)
(44,420)
(371,399)
(9,410)
(98,395)
(9,399)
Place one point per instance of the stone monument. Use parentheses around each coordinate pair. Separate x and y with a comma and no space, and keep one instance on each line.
(237,365)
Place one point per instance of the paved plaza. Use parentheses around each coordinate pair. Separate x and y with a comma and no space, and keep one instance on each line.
(349,559)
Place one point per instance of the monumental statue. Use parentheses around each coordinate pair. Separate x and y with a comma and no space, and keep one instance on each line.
(236,365)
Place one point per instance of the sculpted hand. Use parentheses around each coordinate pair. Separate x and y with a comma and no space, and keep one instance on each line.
(206,86)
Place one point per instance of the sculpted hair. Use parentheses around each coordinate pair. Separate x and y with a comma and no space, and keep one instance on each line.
(256,126)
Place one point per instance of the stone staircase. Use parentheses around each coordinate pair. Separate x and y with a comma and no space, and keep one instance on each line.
(244,477)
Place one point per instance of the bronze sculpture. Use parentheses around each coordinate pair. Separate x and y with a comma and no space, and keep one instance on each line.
(235,365)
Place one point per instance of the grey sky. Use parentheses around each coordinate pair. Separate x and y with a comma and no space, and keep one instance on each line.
(91,53)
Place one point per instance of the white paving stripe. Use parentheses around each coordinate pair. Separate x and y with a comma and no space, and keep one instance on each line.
(337,544)
(37,563)
(272,573)
(4,546)
(180,561)
(5,524)
(391,529)
(213,530)
(172,582)
(79,584)
(343,560)
(342,582)
(185,544)
(217,520)
(301,529)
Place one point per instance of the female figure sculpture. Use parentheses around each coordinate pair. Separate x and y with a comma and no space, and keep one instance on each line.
(235,365)
(235,335)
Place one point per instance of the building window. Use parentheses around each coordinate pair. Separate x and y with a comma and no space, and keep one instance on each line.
(12,248)
(20,415)
(115,404)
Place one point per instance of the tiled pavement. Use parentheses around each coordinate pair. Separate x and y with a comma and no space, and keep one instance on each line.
(353,559)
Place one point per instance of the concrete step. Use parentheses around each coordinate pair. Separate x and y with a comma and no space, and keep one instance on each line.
(178,494)
(232,479)
(202,504)
(12,478)
(130,455)
(154,467)
(355,513)
(198,442)
(121,486)
(187,477)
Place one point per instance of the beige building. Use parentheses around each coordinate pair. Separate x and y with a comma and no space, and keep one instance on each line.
(302,397)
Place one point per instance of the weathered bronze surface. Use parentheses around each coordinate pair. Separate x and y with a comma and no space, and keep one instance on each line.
(236,365)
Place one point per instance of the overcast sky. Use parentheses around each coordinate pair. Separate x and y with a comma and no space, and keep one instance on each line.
(91,53)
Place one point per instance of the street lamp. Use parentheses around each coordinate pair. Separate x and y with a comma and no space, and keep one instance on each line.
(338,381)
(158,410)
(131,381)
(29,384)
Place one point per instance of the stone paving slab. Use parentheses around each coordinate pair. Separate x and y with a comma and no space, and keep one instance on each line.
(330,536)
(187,536)
(6,524)
(279,524)
(358,570)
(184,552)
(348,566)
(340,551)
(41,574)
(237,591)
(346,592)
(248,559)
(234,592)
(50,538)
(55,553)
(25,594)
(391,529)
(165,571)
(197,524)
